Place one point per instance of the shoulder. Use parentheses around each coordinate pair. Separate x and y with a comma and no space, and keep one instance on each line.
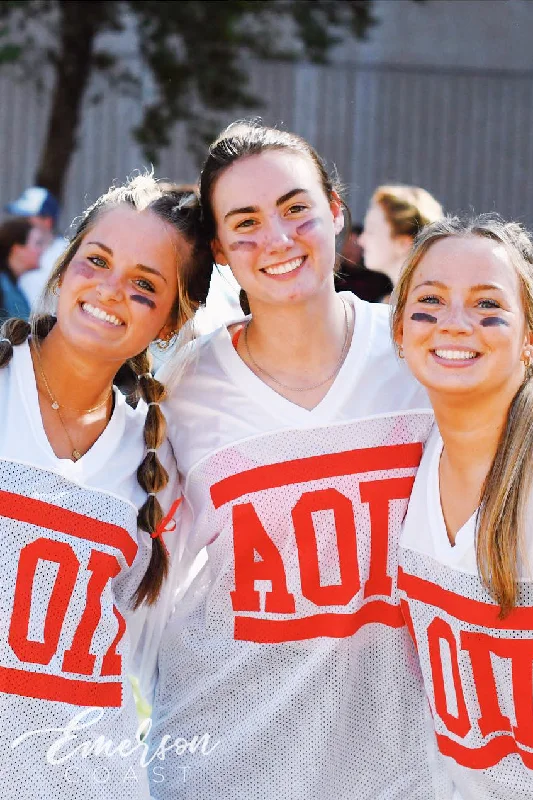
(194,361)
(389,385)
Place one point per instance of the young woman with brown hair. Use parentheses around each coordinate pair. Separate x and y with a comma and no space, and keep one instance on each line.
(295,437)
(79,474)
(463,320)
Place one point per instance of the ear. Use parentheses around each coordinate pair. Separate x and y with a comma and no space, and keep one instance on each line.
(218,253)
(335,205)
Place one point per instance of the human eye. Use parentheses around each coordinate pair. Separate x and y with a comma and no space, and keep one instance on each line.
(486,302)
(98,261)
(245,223)
(429,299)
(145,285)
(296,208)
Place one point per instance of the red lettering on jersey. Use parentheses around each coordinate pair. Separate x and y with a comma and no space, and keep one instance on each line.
(379,494)
(249,538)
(326,500)
(78,658)
(41,550)
(112,661)
(483,651)
(520,653)
(439,631)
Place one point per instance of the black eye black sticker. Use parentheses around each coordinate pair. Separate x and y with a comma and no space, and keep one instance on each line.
(491,322)
(420,316)
(144,301)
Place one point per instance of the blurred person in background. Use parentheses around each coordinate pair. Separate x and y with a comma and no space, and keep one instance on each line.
(42,209)
(395,215)
(353,276)
(21,246)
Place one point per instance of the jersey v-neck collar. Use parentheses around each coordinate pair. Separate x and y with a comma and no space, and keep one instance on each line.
(447,553)
(95,458)
(276,405)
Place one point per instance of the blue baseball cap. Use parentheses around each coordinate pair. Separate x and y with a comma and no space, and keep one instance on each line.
(34,202)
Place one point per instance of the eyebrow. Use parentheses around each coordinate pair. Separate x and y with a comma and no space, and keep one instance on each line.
(142,267)
(480,287)
(255,209)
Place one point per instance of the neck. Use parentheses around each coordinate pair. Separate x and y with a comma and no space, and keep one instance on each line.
(75,380)
(470,431)
(298,336)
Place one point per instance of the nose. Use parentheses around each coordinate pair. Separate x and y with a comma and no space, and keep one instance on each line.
(110,287)
(456,320)
(278,235)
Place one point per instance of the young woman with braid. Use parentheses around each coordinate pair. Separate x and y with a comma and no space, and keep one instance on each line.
(464,322)
(297,435)
(80,472)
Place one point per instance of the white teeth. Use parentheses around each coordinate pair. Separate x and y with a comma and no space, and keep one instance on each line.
(99,313)
(288,266)
(456,355)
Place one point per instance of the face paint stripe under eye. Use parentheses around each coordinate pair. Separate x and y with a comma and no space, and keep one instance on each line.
(242,246)
(83,269)
(145,301)
(307,225)
(491,322)
(420,316)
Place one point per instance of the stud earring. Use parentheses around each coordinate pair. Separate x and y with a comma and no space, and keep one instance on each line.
(527,357)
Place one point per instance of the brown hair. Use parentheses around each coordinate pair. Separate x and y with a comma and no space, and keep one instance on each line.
(13,230)
(407,208)
(501,516)
(179,209)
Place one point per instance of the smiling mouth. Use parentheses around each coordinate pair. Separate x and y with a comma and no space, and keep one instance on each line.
(100,314)
(283,269)
(456,355)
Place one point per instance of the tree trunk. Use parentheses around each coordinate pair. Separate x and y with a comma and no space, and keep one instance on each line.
(79,24)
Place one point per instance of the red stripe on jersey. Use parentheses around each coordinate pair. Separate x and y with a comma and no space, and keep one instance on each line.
(63,690)
(333,626)
(486,756)
(302,470)
(463,608)
(45,515)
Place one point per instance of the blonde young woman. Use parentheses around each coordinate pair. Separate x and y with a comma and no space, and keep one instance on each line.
(286,671)
(80,473)
(395,215)
(463,321)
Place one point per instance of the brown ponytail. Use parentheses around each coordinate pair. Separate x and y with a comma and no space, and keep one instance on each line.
(152,477)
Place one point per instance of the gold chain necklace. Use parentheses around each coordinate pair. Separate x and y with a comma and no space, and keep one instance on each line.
(75,453)
(315,385)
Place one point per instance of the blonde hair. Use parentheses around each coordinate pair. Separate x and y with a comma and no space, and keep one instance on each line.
(501,519)
(407,209)
(180,210)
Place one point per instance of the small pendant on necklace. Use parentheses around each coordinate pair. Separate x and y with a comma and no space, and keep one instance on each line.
(55,405)
(76,455)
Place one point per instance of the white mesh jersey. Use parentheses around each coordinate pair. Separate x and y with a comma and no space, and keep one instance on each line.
(70,561)
(286,671)
(477,668)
